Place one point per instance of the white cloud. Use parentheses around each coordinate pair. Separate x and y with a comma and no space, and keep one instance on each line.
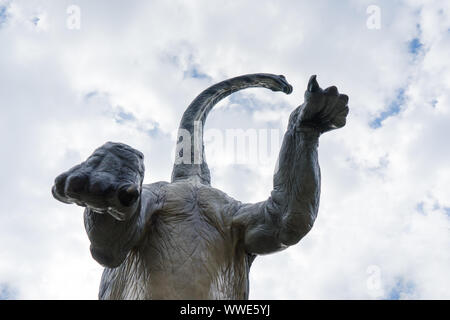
(384,200)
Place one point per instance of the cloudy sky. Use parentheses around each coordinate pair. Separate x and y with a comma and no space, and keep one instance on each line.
(75,74)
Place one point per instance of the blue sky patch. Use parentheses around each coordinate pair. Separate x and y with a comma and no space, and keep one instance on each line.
(402,287)
(194,72)
(3,15)
(419,207)
(6,292)
(447,211)
(245,101)
(415,46)
(123,116)
(153,132)
(187,64)
(90,95)
(392,110)
(35,20)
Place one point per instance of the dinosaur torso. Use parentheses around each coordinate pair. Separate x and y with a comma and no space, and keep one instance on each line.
(190,250)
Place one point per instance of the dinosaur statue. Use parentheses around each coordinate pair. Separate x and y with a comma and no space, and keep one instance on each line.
(186,239)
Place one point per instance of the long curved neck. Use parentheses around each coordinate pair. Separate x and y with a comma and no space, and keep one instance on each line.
(190,160)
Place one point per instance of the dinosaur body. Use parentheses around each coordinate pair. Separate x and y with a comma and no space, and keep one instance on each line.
(186,239)
(191,250)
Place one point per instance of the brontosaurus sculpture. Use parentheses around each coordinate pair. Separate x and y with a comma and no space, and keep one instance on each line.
(186,239)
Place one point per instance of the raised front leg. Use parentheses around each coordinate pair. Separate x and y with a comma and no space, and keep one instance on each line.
(108,184)
(289,213)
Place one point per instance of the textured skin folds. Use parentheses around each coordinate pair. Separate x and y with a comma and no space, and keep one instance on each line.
(186,239)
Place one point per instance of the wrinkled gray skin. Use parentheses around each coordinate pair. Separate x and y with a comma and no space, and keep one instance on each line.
(186,239)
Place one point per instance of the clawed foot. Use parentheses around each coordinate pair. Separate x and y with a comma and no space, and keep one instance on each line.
(323,110)
(109,181)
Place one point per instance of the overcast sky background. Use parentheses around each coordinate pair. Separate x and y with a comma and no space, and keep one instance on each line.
(132,68)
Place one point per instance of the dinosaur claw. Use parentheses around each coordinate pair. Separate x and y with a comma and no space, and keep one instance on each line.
(313,86)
